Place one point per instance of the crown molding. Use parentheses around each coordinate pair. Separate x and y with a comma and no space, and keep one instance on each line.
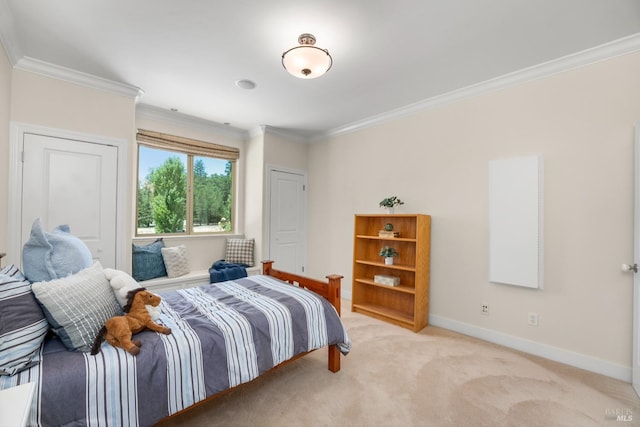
(288,134)
(603,52)
(257,132)
(48,69)
(179,119)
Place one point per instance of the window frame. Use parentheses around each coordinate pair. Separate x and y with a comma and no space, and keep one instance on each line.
(191,148)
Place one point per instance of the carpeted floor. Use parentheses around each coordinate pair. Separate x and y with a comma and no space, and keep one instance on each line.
(394,377)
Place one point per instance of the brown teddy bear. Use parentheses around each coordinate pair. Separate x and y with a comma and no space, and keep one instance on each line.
(119,329)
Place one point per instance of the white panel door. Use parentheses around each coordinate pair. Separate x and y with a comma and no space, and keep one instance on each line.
(72,182)
(635,363)
(287,229)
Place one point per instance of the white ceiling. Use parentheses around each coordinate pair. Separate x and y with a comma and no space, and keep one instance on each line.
(387,54)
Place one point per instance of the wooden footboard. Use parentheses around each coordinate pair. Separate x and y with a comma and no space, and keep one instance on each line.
(329,290)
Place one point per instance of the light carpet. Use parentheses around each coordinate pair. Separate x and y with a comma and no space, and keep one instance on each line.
(394,377)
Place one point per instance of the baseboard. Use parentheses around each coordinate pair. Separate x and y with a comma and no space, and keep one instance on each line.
(567,357)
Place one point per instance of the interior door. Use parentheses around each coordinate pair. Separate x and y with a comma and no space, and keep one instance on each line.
(635,363)
(287,220)
(71,182)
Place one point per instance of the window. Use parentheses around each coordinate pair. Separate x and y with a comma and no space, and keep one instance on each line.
(184,186)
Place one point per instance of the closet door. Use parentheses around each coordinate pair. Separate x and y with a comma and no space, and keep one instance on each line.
(73,182)
(287,225)
(635,342)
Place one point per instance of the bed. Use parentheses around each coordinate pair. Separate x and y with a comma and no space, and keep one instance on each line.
(223,335)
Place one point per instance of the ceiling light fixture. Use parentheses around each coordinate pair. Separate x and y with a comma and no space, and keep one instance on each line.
(307,61)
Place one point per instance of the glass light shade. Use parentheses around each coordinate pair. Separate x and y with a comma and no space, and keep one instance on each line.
(307,62)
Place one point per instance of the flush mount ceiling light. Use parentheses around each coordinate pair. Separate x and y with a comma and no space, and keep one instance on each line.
(307,61)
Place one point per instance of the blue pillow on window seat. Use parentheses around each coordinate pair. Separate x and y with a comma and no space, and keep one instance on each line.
(148,262)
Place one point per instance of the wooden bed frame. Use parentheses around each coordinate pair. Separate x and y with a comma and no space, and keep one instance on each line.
(329,289)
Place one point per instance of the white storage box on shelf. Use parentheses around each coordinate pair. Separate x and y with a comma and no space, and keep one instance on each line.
(382,279)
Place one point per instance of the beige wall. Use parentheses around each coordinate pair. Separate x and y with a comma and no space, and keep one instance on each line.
(285,153)
(267,148)
(582,123)
(254,195)
(45,101)
(5,107)
(289,155)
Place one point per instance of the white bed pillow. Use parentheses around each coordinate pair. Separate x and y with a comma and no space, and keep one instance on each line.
(122,284)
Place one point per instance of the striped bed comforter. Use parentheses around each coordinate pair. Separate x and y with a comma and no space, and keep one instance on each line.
(223,334)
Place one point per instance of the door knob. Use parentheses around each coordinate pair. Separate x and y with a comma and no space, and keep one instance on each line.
(630,267)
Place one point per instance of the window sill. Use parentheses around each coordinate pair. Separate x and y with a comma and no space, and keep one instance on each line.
(171,237)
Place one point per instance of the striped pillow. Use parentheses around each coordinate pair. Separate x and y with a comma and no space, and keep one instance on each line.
(77,306)
(23,327)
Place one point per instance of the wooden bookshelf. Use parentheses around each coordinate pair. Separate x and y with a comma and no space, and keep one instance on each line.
(406,304)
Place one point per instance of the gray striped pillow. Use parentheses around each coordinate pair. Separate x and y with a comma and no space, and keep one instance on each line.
(23,327)
(78,305)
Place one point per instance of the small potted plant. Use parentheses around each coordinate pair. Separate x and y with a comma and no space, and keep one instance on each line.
(390,203)
(387,232)
(388,253)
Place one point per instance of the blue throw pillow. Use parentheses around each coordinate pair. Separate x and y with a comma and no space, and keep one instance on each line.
(147,261)
(49,256)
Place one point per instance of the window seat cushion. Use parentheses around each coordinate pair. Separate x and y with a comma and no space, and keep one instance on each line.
(193,278)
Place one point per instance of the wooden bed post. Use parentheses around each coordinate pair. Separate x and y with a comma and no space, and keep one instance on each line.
(334,298)
(334,290)
(266,267)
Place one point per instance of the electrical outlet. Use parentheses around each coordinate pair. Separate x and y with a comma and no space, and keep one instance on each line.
(484,309)
(533,319)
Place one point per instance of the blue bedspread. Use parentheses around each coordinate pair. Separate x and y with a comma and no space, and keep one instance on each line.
(223,335)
